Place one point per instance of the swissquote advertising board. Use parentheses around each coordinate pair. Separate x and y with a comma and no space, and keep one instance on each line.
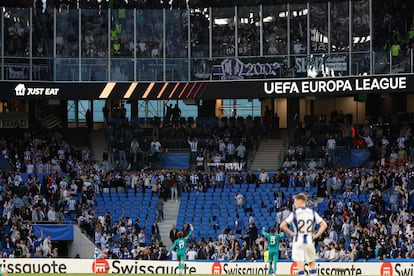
(240,89)
(103,266)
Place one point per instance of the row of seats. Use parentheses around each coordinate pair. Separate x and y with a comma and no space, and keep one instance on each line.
(139,205)
(212,211)
(209,211)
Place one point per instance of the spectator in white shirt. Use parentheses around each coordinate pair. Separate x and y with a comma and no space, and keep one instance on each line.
(239,199)
(192,254)
(51,214)
(331,146)
(230,151)
(240,152)
(193,142)
(263,176)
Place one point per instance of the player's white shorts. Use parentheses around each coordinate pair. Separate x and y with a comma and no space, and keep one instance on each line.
(303,252)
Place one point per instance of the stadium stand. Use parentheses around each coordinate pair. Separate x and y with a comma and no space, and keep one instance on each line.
(50,177)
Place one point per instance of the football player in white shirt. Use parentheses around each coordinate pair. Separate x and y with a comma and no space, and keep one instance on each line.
(304,220)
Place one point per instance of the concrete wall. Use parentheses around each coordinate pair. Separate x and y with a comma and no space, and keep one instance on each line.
(81,245)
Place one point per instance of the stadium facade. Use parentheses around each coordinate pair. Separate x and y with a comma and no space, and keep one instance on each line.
(302,59)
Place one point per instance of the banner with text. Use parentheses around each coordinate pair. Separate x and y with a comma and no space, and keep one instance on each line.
(240,89)
(104,266)
(14,120)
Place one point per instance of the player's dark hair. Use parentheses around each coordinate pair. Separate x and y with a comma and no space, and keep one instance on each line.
(272,230)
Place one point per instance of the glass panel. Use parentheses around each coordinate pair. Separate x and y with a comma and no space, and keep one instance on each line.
(248,41)
(127,110)
(360,26)
(83,106)
(122,69)
(67,69)
(298,28)
(201,69)
(94,69)
(402,63)
(360,37)
(42,32)
(321,65)
(122,33)
(308,66)
(42,69)
(97,110)
(149,70)
(360,63)
(176,33)
(334,65)
(223,32)
(16,69)
(340,26)
(94,33)
(16,43)
(275,30)
(17,32)
(319,27)
(71,107)
(149,33)
(187,110)
(199,19)
(155,108)
(176,70)
(241,108)
(228,108)
(381,62)
(67,33)
(384,63)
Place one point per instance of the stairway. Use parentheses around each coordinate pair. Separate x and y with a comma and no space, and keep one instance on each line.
(268,156)
(98,144)
(170,217)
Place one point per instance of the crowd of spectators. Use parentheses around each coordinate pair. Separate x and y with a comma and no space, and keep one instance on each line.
(389,142)
(216,141)
(369,213)
(44,179)
(369,210)
(51,180)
